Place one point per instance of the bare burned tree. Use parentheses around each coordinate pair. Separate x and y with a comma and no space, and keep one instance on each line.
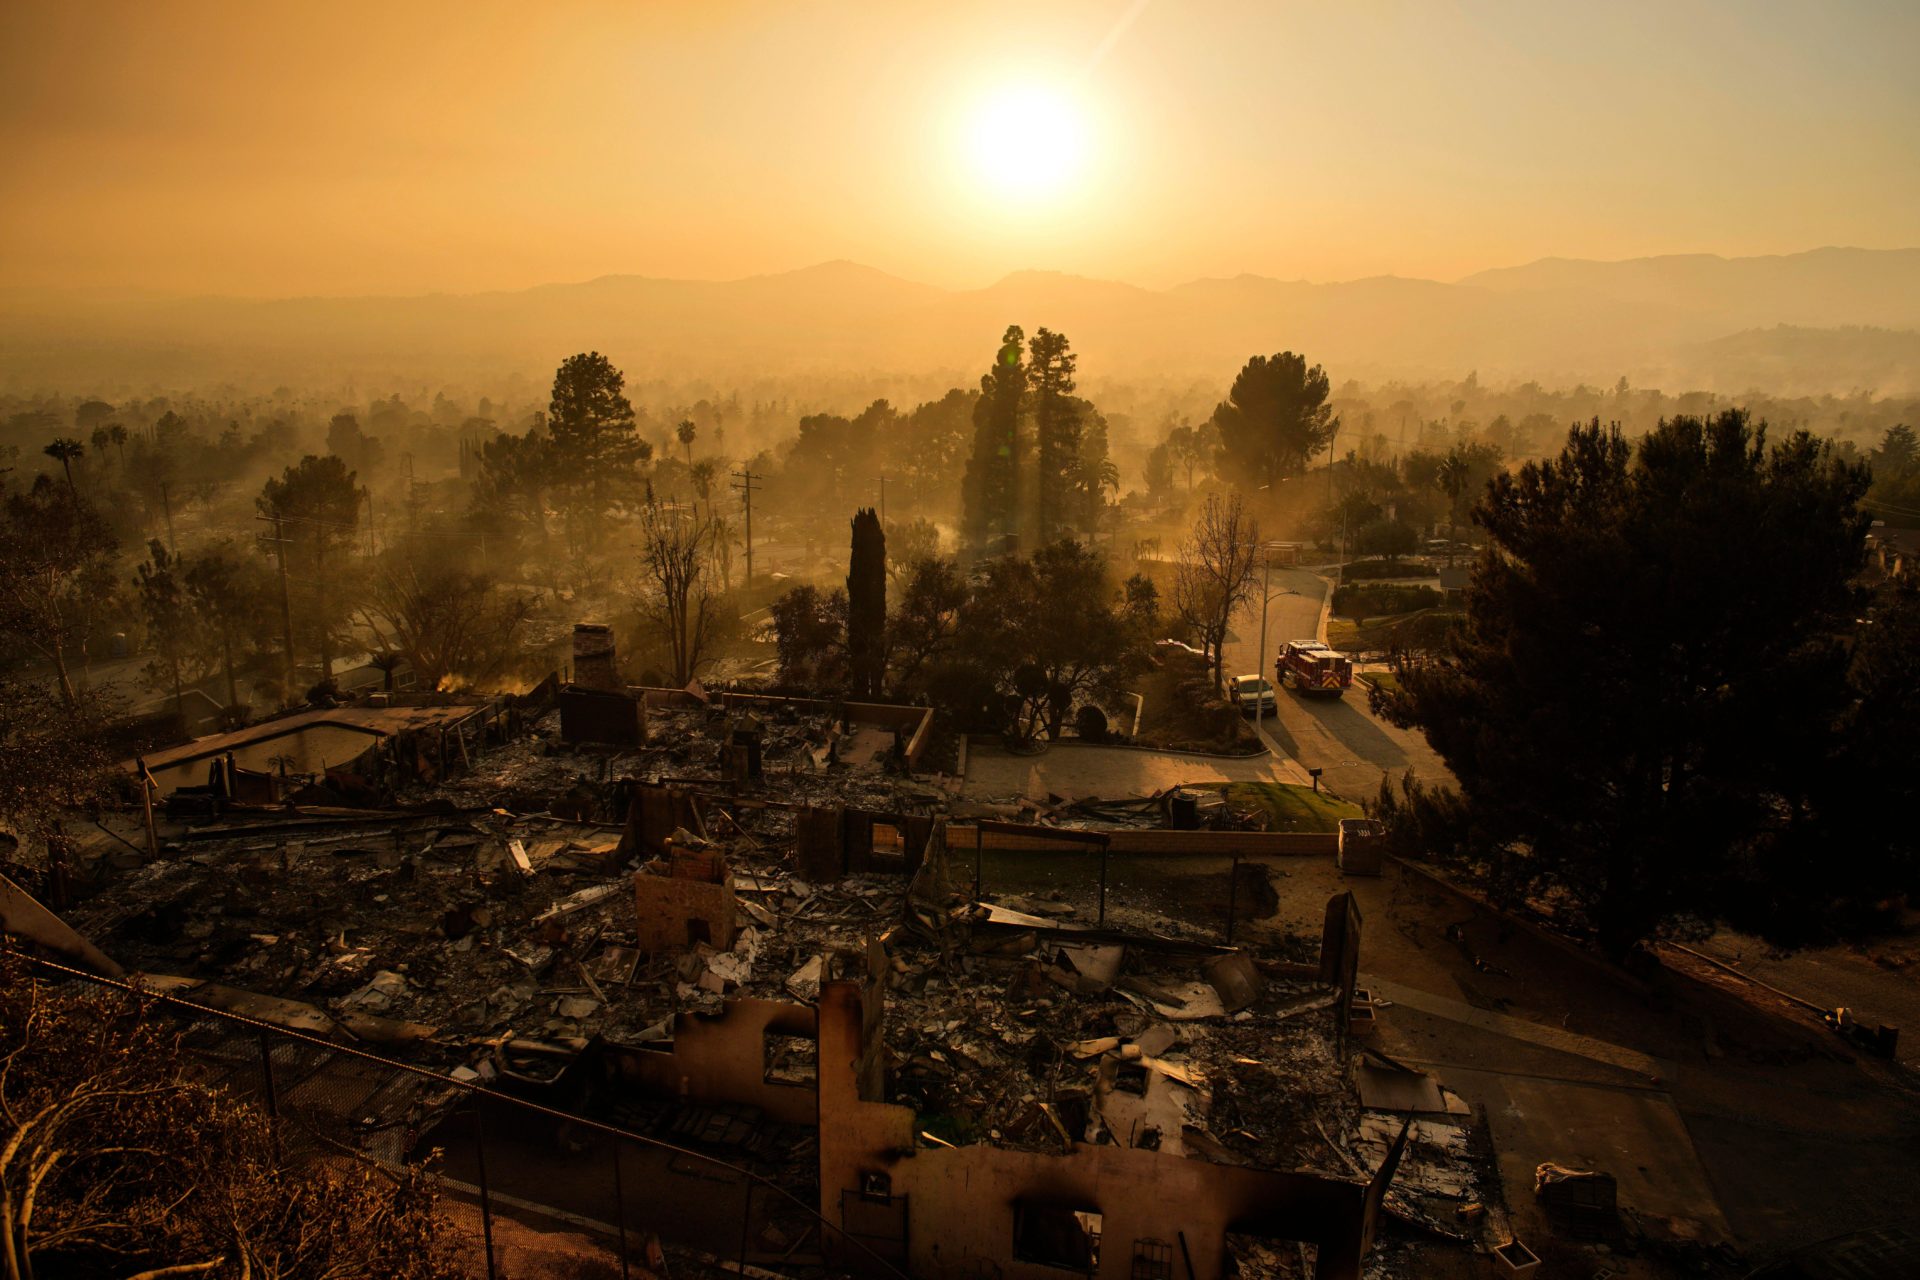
(55,572)
(1215,573)
(450,624)
(54,765)
(675,594)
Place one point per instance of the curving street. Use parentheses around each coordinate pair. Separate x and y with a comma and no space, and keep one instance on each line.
(1340,736)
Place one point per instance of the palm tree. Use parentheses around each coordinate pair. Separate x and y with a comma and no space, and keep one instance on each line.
(66,449)
(1451,476)
(686,431)
(118,435)
(703,473)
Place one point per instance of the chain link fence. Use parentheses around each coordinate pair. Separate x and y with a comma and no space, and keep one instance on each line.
(519,1178)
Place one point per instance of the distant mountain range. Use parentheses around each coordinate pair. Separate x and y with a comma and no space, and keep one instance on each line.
(1825,320)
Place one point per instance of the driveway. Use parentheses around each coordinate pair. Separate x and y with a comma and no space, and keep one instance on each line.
(1720,1121)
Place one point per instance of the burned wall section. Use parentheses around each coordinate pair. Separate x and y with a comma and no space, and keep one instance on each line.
(913,725)
(1340,957)
(961,1210)
(720,1059)
(830,843)
(610,718)
(684,900)
(654,813)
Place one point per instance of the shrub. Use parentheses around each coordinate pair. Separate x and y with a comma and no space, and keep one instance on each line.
(1381,601)
(1361,570)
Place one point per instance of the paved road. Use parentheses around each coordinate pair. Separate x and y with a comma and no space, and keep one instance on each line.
(1338,735)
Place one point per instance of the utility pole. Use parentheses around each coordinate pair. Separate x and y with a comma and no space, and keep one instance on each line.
(286,601)
(1260,667)
(166,503)
(1330,443)
(746,477)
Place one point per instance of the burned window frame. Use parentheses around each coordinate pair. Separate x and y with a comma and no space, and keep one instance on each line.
(1026,1210)
(1152,1259)
(771,1039)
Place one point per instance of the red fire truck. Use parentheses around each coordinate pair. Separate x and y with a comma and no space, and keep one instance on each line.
(1309,666)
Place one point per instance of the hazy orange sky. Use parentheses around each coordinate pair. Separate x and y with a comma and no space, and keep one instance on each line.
(239,147)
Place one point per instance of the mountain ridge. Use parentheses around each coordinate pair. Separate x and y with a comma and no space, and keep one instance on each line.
(1554,318)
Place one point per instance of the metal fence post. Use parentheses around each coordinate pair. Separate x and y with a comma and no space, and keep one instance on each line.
(1103,886)
(266,1076)
(620,1205)
(746,1225)
(1233,896)
(480,1159)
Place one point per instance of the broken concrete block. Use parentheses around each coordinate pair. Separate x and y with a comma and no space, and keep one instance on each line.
(804,982)
(378,995)
(1236,979)
(1157,1039)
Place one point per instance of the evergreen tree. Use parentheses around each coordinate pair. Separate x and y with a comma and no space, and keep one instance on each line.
(1093,472)
(167,612)
(990,488)
(596,450)
(867,605)
(1648,626)
(55,560)
(317,506)
(1274,418)
(1056,420)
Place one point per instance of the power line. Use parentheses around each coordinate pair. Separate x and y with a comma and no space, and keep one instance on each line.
(745,476)
(1888,506)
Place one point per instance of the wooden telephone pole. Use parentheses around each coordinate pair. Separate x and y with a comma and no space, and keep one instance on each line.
(286,602)
(745,479)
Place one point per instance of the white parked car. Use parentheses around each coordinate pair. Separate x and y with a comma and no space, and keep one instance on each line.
(1249,692)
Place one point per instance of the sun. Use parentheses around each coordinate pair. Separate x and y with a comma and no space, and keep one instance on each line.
(1027,142)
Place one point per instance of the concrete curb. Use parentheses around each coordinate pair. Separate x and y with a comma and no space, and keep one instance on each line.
(1326,609)
(1163,751)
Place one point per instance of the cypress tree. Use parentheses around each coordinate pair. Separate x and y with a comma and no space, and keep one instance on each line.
(867,605)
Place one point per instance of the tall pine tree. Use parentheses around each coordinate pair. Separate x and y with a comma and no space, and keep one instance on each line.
(1056,420)
(989,493)
(596,450)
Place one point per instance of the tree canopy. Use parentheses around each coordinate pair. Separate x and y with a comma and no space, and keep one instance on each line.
(1652,673)
(990,489)
(596,450)
(1274,418)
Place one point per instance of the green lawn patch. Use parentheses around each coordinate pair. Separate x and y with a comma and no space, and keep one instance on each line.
(1291,807)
